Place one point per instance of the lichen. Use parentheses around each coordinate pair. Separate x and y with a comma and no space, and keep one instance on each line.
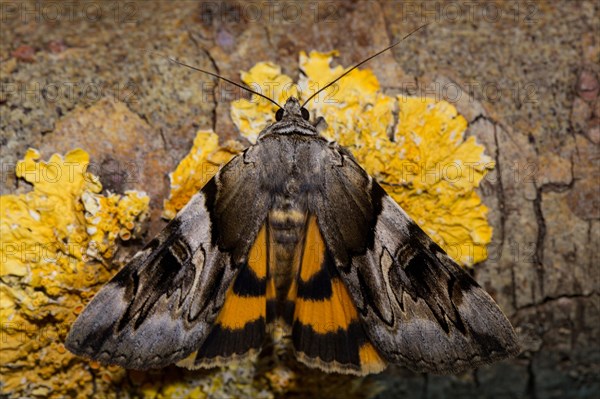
(57,241)
(422,159)
(198,166)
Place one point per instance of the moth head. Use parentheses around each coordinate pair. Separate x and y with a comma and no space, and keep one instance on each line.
(292,108)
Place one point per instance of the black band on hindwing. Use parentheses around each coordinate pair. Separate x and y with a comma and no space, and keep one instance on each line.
(340,346)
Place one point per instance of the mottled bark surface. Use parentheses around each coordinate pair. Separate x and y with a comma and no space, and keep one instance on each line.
(525,75)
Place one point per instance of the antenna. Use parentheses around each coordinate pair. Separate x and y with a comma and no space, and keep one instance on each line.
(365,60)
(175,61)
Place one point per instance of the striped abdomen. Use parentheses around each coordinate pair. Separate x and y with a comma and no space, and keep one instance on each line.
(286,235)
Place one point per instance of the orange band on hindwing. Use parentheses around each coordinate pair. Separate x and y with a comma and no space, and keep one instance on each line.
(326,330)
(240,326)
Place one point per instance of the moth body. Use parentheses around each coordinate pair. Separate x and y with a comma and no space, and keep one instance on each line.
(294,231)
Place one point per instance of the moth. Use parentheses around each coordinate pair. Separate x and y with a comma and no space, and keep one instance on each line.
(293,232)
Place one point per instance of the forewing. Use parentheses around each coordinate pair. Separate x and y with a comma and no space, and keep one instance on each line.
(419,307)
(162,305)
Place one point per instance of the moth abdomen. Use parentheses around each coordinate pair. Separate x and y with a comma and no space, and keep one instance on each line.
(286,234)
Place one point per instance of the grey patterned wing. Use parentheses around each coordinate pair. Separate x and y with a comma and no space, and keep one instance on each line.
(161,306)
(417,306)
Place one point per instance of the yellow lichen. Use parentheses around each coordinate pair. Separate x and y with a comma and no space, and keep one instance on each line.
(56,241)
(201,163)
(422,160)
(252,116)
